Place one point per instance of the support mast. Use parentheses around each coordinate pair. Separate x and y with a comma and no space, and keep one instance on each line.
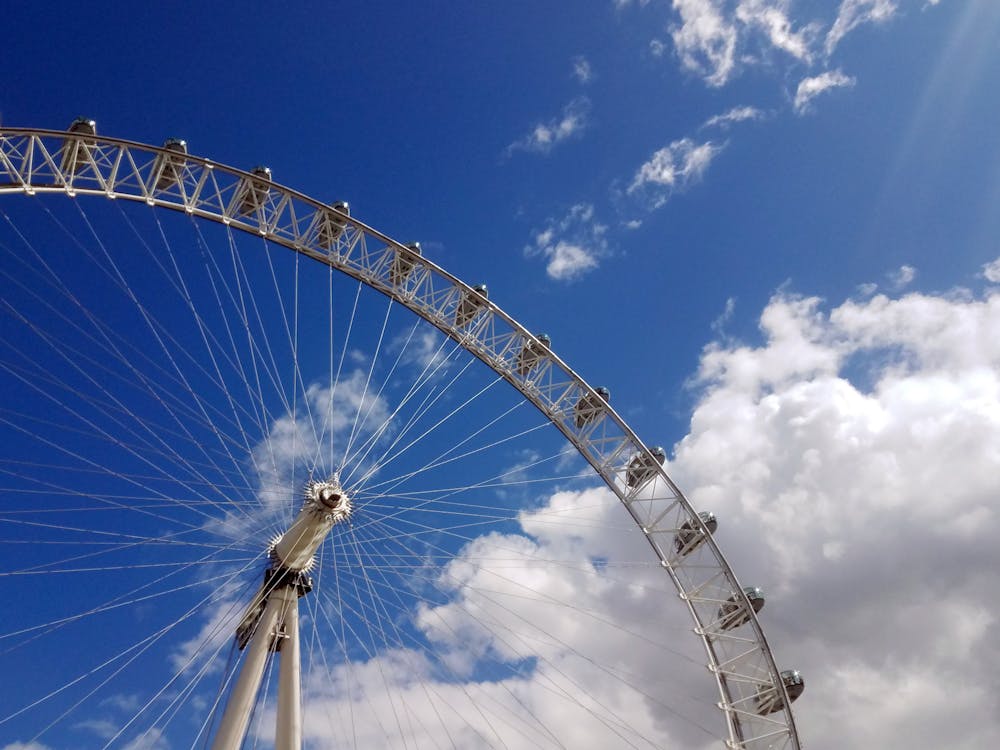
(271,622)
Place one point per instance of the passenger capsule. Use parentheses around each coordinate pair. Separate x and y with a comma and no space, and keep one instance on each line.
(770,700)
(589,407)
(690,537)
(168,166)
(531,353)
(733,612)
(403,263)
(76,151)
(470,304)
(332,223)
(253,192)
(642,468)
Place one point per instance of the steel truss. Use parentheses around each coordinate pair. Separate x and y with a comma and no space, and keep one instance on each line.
(41,161)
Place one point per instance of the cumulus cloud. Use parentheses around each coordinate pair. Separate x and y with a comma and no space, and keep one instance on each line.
(671,169)
(854,13)
(852,454)
(581,69)
(545,136)
(734,115)
(571,246)
(809,88)
(548,635)
(991,271)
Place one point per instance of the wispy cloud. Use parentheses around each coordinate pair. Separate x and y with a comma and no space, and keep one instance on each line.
(854,13)
(103,728)
(705,40)
(582,70)
(991,271)
(734,115)
(571,246)
(810,88)
(902,277)
(672,169)
(544,136)
(770,17)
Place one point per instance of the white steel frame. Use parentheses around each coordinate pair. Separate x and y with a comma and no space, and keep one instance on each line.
(43,161)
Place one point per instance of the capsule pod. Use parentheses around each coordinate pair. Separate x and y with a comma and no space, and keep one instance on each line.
(168,167)
(332,223)
(589,407)
(253,192)
(403,263)
(76,151)
(642,468)
(470,304)
(531,353)
(690,537)
(734,613)
(770,700)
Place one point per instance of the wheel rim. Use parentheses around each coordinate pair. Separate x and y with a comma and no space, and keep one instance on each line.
(39,162)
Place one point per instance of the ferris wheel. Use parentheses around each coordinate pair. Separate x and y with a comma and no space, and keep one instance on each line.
(272,478)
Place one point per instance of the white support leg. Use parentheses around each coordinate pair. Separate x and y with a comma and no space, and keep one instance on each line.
(292,555)
(288,735)
(236,719)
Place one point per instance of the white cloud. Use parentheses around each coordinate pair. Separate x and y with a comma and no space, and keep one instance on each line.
(152,739)
(854,13)
(852,456)
(734,115)
(571,246)
(103,728)
(902,277)
(770,17)
(809,88)
(568,261)
(719,324)
(991,271)
(705,40)
(25,746)
(581,69)
(532,633)
(657,48)
(543,137)
(672,169)
(712,38)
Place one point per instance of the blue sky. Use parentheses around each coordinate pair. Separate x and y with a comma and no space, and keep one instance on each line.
(723,211)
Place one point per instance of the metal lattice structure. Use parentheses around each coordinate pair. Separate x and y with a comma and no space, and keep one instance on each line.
(736,650)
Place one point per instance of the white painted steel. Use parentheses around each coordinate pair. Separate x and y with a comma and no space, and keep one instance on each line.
(236,717)
(288,730)
(296,547)
(38,161)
